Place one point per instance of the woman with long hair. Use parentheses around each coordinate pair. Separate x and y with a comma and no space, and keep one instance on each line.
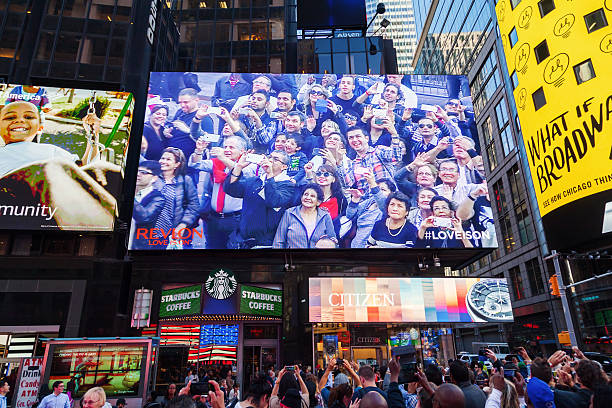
(181,199)
(334,200)
(290,390)
(153,132)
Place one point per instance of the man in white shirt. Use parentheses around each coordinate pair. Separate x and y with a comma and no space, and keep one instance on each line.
(56,400)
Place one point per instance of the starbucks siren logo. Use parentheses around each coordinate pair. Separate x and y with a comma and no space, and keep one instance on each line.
(221,284)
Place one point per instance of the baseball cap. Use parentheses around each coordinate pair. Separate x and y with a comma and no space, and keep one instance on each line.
(340,379)
(540,394)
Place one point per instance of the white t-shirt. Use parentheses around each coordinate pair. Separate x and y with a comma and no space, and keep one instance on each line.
(18,155)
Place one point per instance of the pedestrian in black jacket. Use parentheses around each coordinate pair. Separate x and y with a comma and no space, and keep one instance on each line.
(148,203)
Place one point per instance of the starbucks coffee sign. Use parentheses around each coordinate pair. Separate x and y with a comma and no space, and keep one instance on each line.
(221,284)
(180,301)
(261,301)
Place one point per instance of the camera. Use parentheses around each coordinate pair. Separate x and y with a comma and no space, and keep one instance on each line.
(199,388)
(340,362)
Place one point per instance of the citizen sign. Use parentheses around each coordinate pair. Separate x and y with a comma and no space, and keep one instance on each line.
(152,19)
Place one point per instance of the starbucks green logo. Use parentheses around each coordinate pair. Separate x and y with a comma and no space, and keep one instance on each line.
(221,284)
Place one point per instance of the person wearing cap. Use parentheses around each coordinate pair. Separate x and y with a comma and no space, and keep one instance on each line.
(148,203)
(539,393)
(121,403)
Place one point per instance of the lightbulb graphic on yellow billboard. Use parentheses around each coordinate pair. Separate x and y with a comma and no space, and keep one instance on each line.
(559,57)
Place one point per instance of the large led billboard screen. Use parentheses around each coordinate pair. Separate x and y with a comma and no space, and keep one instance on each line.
(250,161)
(558,58)
(328,14)
(62,154)
(426,300)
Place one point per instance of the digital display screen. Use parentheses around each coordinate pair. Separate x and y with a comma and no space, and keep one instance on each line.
(62,156)
(321,14)
(218,342)
(115,368)
(347,148)
(427,300)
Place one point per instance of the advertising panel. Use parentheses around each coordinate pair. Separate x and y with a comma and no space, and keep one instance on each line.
(26,389)
(261,301)
(426,300)
(180,301)
(62,154)
(254,161)
(115,368)
(558,60)
(327,14)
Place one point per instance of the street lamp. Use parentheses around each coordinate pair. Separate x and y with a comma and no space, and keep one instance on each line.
(380,9)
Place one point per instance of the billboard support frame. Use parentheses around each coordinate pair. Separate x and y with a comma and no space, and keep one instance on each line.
(566,309)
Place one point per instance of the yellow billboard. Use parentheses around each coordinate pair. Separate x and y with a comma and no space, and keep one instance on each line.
(559,57)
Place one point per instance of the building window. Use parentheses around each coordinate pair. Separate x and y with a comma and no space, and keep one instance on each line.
(539,99)
(506,233)
(541,51)
(485,83)
(516,182)
(513,37)
(514,3)
(487,132)
(516,281)
(500,197)
(514,80)
(546,6)
(535,276)
(595,20)
(524,223)
(503,123)
(584,71)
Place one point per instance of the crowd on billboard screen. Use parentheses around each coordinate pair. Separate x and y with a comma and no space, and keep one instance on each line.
(62,153)
(247,161)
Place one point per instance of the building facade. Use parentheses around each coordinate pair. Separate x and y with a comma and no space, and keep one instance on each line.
(402,30)
(460,37)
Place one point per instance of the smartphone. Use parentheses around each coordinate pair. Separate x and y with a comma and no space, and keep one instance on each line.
(407,373)
(275,115)
(211,137)
(214,110)
(244,110)
(339,362)
(289,368)
(509,374)
(379,113)
(379,121)
(254,158)
(428,108)
(316,151)
(443,222)
(166,100)
(360,170)
(321,105)
(380,87)
(472,152)
(199,388)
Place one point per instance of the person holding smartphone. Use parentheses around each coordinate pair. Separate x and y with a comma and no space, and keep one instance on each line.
(442,229)
(290,390)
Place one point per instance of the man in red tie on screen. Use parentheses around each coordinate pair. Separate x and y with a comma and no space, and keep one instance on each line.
(224,220)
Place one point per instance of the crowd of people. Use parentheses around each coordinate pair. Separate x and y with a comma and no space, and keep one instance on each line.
(516,382)
(308,161)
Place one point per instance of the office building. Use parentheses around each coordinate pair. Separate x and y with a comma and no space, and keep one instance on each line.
(402,29)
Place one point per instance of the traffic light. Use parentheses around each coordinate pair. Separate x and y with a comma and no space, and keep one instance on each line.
(554,286)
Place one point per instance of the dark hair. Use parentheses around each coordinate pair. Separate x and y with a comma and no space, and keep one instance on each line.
(338,393)
(4,382)
(459,371)
(390,184)
(426,189)
(182,401)
(292,398)
(287,382)
(590,374)
(362,130)
(285,90)
(152,165)
(433,374)
(188,91)
(317,189)
(540,368)
(399,196)
(311,386)
(299,114)
(264,93)
(602,395)
(57,384)
(400,95)
(299,140)
(341,136)
(441,198)
(179,157)
(155,108)
(336,186)
(258,389)
(366,372)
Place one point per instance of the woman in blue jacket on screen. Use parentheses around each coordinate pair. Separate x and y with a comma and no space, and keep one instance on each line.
(306,225)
